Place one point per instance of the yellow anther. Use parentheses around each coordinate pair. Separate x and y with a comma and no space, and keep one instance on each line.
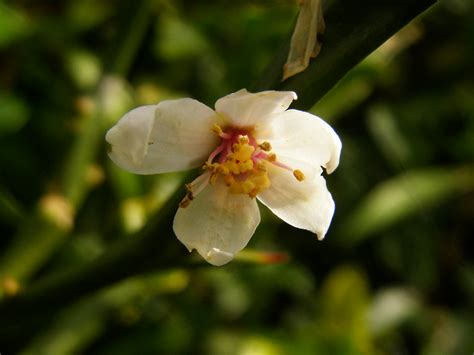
(243,139)
(246,166)
(185,202)
(213,179)
(243,153)
(229,179)
(247,186)
(190,195)
(217,129)
(252,185)
(222,169)
(211,166)
(233,167)
(261,167)
(262,182)
(241,171)
(253,193)
(236,147)
(248,151)
(298,174)
(265,146)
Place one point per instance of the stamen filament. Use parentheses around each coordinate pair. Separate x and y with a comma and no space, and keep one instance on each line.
(216,151)
(194,188)
(281,165)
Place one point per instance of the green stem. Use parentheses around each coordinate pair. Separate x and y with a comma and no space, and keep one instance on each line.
(42,234)
(153,248)
(133,36)
(75,327)
(10,210)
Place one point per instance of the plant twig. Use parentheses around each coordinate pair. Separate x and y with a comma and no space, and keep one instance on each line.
(354,29)
(151,249)
(45,230)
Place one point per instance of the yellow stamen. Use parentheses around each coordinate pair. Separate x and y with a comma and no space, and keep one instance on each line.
(262,182)
(246,166)
(247,186)
(217,129)
(222,169)
(253,193)
(229,179)
(243,140)
(298,174)
(265,146)
(233,167)
(185,202)
(213,179)
(211,166)
(239,171)
(261,167)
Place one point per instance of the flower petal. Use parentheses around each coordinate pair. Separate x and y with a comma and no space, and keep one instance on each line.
(246,109)
(174,135)
(217,224)
(306,204)
(301,136)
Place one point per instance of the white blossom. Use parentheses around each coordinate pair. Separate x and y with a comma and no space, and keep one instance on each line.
(250,147)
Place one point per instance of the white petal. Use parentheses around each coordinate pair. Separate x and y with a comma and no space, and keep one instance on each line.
(246,109)
(217,224)
(174,135)
(303,204)
(218,257)
(301,136)
(128,136)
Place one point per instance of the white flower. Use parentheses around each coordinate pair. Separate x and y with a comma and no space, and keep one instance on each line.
(250,147)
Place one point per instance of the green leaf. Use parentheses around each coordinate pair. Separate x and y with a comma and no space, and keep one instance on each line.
(14,113)
(404,196)
(345,300)
(13,25)
(178,39)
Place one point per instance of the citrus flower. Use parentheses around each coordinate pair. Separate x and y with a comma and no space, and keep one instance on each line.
(251,147)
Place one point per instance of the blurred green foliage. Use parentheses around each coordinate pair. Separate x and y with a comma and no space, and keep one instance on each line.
(396,272)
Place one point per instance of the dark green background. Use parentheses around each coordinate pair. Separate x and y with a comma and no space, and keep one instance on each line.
(395,273)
